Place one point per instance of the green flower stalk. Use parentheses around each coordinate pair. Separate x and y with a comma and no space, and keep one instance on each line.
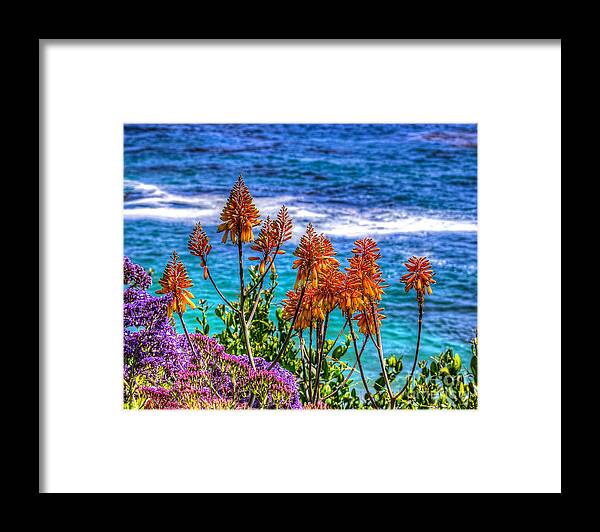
(420,278)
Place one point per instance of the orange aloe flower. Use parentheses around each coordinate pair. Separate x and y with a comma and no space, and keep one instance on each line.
(330,280)
(284,223)
(314,252)
(364,270)
(318,300)
(290,302)
(239,215)
(175,281)
(199,246)
(266,242)
(310,308)
(419,276)
(365,319)
(350,297)
(273,234)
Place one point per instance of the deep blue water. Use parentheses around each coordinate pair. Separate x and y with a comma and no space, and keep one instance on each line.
(411,187)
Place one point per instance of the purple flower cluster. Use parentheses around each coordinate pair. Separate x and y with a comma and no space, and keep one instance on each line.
(162,372)
(233,375)
(150,341)
(134,275)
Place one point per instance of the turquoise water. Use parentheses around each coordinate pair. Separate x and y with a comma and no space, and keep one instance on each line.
(413,188)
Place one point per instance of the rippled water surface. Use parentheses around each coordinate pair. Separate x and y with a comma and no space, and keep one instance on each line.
(411,187)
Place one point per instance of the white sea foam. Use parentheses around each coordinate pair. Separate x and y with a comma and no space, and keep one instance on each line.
(155,196)
(167,213)
(358,226)
(306,214)
(160,204)
(171,199)
(145,188)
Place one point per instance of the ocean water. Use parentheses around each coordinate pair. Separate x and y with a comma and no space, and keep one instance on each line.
(411,187)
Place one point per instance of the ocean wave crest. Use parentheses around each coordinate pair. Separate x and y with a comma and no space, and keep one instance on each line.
(357,226)
(145,201)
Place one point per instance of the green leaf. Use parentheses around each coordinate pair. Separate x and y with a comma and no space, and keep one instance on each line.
(474,366)
(456,364)
(338,352)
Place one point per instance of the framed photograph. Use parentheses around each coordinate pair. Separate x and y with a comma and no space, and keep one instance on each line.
(334,229)
(301,252)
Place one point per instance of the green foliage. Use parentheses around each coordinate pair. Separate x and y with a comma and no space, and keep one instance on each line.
(394,366)
(202,308)
(336,389)
(266,336)
(441,383)
(474,355)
